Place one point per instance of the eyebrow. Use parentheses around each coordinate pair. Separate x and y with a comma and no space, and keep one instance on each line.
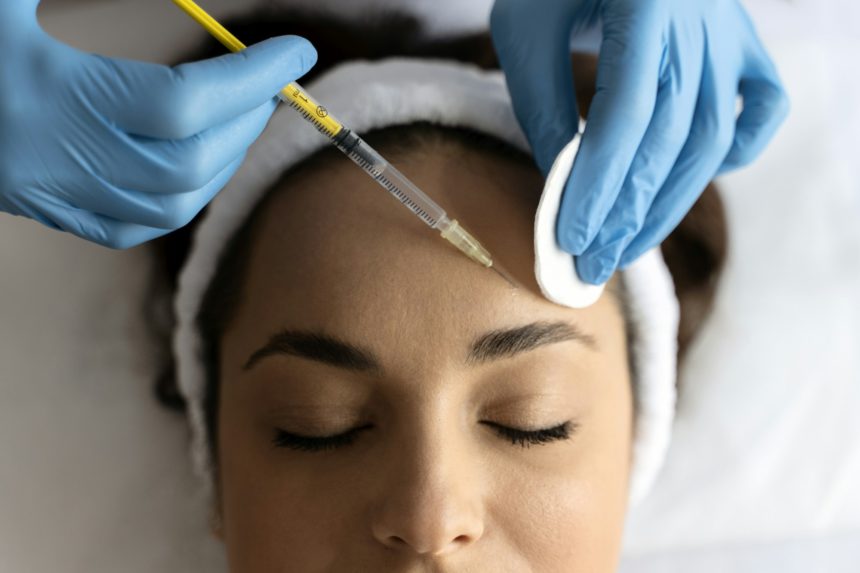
(494,345)
(318,347)
(508,342)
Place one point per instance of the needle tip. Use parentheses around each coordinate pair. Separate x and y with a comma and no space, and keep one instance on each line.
(504,275)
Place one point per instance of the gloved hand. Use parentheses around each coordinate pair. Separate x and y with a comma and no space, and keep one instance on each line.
(663,121)
(119,151)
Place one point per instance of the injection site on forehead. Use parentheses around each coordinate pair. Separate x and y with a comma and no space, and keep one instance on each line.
(336,264)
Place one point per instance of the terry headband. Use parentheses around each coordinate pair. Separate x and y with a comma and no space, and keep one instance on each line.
(399,91)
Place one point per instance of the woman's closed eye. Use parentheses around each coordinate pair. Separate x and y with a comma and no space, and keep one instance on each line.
(525,438)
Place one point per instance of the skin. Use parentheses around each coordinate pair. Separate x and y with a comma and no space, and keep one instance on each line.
(429,486)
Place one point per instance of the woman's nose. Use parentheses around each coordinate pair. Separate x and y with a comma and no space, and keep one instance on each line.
(432,504)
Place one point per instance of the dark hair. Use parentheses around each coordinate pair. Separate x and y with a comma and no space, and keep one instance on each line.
(694,252)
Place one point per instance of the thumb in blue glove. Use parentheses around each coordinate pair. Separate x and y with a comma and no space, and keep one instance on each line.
(663,121)
(118,151)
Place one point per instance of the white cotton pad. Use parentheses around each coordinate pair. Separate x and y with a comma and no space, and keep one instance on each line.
(554,268)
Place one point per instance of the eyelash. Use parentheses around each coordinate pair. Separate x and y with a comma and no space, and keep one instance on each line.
(284,439)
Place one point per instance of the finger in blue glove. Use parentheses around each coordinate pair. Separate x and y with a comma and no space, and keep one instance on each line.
(662,122)
(119,151)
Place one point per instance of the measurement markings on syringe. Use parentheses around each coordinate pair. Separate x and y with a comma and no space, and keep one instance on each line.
(366,165)
(311,118)
(394,189)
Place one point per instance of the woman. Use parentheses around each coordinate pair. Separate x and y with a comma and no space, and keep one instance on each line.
(374,401)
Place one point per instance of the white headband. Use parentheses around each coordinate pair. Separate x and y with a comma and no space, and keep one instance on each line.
(367,96)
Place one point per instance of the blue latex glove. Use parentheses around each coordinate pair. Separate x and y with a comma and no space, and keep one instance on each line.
(117,151)
(663,121)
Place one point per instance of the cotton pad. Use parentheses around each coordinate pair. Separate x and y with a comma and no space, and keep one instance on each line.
(554,268)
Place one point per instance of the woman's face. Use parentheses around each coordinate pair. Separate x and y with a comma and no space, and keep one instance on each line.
(357,318)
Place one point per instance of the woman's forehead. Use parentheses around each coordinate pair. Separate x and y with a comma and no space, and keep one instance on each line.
(334,222)
(336,207)
(334,252)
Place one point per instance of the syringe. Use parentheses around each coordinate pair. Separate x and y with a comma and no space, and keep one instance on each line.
(361,153)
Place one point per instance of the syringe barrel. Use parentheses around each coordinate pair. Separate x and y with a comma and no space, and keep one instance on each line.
(357,150)
(389,177)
